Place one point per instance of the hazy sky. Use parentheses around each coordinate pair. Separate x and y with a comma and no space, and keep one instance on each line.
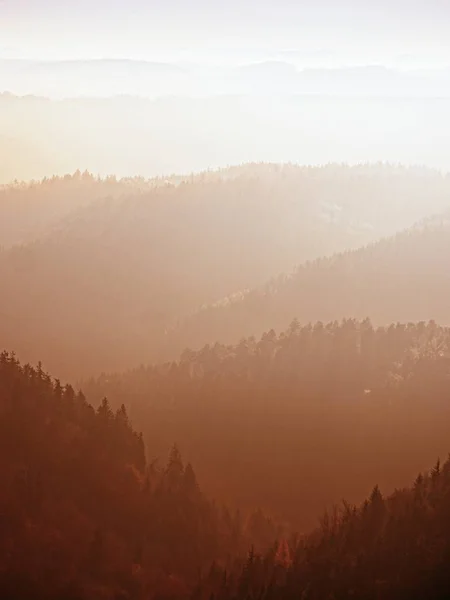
(354,31)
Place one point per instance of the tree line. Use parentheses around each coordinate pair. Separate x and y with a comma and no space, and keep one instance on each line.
(392,547)
(325,408)
(124,263)
(84,514)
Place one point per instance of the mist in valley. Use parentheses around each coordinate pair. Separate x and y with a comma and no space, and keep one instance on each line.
(224,316)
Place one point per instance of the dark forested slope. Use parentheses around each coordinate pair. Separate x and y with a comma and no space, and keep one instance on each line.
(30,210)
(120,272)
(83,515)
(299,420)
(395,547)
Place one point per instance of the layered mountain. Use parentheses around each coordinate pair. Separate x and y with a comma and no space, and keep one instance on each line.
(395,547)
(403,277)
(297,421)
(119,273)
(83,513)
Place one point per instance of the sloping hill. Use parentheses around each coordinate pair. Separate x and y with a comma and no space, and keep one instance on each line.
(297,421)
(29,211)
(83,515)
(118,273)
(404,277)
(393,547)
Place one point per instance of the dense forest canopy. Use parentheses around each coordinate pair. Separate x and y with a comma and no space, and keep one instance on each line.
(395,547)
(30,210)
(300,419)
(85,515)
(224,300)
(402,277)
(345,271)
(119,272)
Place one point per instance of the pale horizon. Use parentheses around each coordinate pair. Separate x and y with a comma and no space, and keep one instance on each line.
(352,32)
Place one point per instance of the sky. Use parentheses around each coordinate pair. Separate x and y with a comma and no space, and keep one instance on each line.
(346,31)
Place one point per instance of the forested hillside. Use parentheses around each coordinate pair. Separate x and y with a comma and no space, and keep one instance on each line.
(120,273)
(84,515)
(395,548)
(224,300)
(399,278)
(296,421)
(29,211)
(280,426)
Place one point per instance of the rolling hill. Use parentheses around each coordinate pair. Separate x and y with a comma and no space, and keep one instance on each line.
(299,420)
(29,211)
(403,277)
(119,273)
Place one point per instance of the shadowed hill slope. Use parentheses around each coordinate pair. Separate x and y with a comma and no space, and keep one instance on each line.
(84,515)
(299,420)
(393,547)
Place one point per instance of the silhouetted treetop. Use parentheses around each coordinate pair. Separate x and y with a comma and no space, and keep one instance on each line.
(82,511)
(310,400)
